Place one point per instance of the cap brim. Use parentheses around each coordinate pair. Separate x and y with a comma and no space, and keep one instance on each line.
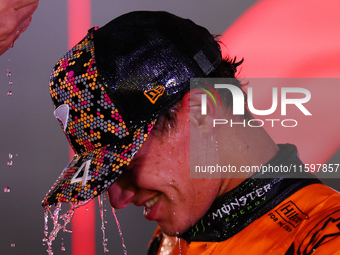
(92,173)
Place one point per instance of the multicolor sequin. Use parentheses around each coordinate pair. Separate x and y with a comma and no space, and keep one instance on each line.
(93,126)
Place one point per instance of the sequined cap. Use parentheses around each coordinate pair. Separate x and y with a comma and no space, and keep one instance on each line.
(110,88)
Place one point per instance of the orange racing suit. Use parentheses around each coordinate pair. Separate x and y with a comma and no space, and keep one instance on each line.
(291,214)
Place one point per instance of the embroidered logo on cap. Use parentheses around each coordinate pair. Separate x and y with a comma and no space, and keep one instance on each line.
(154,94)
(61,113)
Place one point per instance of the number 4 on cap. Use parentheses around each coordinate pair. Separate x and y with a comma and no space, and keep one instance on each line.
(82,174)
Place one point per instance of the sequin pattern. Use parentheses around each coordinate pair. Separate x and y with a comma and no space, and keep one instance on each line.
(95,128)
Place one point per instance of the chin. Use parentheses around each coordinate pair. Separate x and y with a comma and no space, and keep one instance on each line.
(173,230)
(171,233)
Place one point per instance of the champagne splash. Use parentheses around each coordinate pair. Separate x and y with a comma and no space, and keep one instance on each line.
(57,226)
(120,231)
(100,202)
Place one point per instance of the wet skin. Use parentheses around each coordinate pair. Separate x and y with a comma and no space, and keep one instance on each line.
(158,178)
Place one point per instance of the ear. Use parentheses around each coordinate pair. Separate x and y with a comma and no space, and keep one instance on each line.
(192,103)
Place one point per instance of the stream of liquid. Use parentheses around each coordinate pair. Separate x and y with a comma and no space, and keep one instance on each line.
(57,226)
(60,223)
(120,231)
(101,210)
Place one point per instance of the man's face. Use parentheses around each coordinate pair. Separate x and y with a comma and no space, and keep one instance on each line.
(158,178)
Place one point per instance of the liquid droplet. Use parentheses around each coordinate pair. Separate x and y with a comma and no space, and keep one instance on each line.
(62,244)
(120,231)
(7,190)
(10,155)
(179,244)
(9,163)
(100,203)
(10,83)
(12,245)
(9,93)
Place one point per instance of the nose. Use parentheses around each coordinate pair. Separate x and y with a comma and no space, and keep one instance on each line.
(121,192)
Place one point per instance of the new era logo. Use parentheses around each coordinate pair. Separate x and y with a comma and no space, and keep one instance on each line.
(154,94)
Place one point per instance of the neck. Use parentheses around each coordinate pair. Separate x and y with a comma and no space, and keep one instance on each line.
(244,146)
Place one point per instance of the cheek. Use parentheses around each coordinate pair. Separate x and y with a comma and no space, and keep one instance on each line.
(190,203)
(178,157)
(205,192)
(163,162)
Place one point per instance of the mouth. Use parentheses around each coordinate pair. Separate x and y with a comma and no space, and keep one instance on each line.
(150,208)
(151,202)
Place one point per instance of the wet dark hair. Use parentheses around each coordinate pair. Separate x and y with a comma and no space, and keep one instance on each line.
(226,69)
